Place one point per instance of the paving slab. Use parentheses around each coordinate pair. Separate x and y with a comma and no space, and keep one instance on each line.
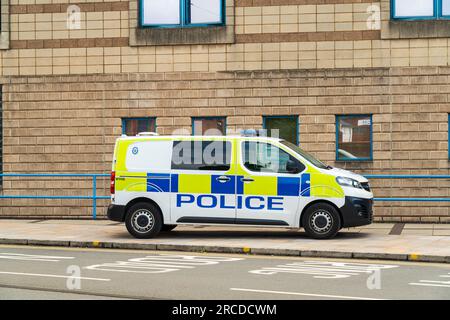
(418,226)
(428,232)
(442,226)
(413,244)
(442,232)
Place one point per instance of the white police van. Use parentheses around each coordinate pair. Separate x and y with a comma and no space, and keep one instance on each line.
(159,182)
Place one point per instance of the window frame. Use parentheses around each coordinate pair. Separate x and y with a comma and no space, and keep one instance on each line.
(370,158)
(137,118)
(297,126)
(184,17)
(437,13)
(193,119)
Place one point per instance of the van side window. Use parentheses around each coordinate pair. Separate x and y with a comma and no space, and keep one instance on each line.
(201,155)
(265,157)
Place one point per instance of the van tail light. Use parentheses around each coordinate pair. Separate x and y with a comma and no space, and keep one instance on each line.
(112,187)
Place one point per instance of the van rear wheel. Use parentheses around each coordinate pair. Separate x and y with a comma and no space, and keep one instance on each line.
(321,221)
(143,220)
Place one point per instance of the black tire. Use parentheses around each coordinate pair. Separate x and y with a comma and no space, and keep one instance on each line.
(321,221)
(143,220)
(168,227)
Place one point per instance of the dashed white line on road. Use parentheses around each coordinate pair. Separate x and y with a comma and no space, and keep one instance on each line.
(32,257)
(324,269)
(430,285)
(303,294)
(51,276)
(433,283)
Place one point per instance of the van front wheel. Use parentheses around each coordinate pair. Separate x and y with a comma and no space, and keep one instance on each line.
(143,220)
(321,221)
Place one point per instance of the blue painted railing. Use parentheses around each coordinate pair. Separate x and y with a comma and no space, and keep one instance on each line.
(94,197)
(399,176)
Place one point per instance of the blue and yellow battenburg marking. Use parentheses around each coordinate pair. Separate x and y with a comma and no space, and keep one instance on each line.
(210,184)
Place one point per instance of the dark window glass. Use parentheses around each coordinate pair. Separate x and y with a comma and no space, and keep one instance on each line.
(354,137)
(282,127)
(265,157)
(201,155)
(209,126)
(132,126)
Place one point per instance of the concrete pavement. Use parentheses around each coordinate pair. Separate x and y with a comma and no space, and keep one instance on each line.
(81,273)
(426,242)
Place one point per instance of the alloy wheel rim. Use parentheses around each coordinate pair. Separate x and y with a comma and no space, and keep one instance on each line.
(321,221)
(142,221)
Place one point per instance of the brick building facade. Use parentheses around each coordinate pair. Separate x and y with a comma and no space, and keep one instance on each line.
(67,93)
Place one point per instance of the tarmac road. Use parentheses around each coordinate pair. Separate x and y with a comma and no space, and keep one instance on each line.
(73,273)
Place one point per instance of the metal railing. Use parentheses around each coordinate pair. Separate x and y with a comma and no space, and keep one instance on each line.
(94,197)
(412,199)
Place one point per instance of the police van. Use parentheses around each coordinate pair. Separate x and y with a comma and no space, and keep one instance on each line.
(159,182)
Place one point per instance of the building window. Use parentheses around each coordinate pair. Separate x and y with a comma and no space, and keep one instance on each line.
(181,13)
(132,126)
(284,127)
(420,9)
(209,126)
(353,137)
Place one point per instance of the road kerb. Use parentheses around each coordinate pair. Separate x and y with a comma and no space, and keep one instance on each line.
(325,254)
(48,243)
(382,256)
(134,246)
(14,241)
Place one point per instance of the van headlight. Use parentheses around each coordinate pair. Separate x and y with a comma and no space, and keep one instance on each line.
(348,182)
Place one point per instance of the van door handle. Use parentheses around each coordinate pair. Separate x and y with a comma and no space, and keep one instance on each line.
(247,180)
(223,179)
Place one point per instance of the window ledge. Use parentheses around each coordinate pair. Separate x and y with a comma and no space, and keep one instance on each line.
(173,36)
(413,29)
(354,160)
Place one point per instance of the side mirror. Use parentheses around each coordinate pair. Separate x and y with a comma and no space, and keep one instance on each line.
(292,167)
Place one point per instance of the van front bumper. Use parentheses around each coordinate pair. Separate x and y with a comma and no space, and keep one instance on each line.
(116,213)
(357,212)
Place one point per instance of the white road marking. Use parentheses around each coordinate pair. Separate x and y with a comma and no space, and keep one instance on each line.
(52,276)
(433,283)
(32,257)
(160,263)
(324,269)
(303,294)
(429,284)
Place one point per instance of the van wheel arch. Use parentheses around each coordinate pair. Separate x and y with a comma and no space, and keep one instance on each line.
(147,200)
(319,201)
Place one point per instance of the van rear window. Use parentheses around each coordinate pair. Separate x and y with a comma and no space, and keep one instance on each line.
(201,155)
